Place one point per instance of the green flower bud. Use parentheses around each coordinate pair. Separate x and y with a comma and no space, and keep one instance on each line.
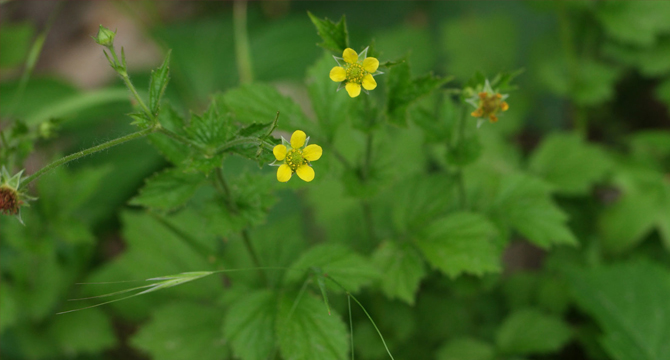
(105,37)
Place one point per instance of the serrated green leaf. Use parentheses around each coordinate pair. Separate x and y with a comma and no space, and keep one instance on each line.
(642,205)
(308,332)
(213,128)
(630,303)
(183,331)
(402,268)
(466,349)
(168,189)
(159,80)
(589,83)
(334,35)
(569,163)
(250,325)
(524,203)
(404,91)
(459,243)
(173,150)
(634,22)
(336,261)
(530,331)
(418,200)
(259,103)
(253,199)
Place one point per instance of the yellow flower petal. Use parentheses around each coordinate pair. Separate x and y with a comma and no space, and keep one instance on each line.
(504,106)
(284,173)
(280,152)
(305,172)
(370,64)
(353,89)
(312,152)
(338,74)
(298,139)
(369,82)
(350,56)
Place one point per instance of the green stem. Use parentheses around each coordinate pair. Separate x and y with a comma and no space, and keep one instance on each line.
(123,72)
(89,151)
(242,141)
(351,326)
(178,137)
(364,310)
(242,52)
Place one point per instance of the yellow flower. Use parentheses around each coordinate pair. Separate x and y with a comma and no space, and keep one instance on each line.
(296,157)
(355,71)
(488,104)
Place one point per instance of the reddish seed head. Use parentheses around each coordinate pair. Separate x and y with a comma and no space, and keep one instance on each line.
(9,203)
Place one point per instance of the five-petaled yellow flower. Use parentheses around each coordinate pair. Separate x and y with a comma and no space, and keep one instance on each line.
(488,103)
(296,156)
(356,70)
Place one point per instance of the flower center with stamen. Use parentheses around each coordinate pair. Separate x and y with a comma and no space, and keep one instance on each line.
(490,103)
(294,159)
(355,73)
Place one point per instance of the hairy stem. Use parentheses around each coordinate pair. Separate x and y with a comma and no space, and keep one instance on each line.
(242,52)
(242,141)
(89,151)
(123,72)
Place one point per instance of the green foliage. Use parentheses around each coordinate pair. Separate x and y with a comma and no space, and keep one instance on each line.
(403,90)
(334,35)
(259,103)
(349,269)
(250,325)
(330,107)
(459,243)
(168,189)
(622,20)
(570,164)
(182,331)
(450,232)
(523,203)
(159,80)
(402,268)
(305,330)
(629,302)
(529,331)
(466,349)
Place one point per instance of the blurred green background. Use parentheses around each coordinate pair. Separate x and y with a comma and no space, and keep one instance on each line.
(600,69)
